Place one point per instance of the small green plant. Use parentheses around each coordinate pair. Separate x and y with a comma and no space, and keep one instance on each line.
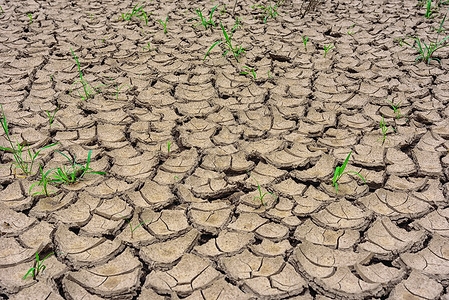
(87,90)
(327,48)
(237,51)
(269,76)
(352,32)
(429,11)
(426,51)
(31,17)
(51,118)
(384,129)
(62,176)
(118,88)
(202,20)
(395,108)
(149,47)
(38,267)
(223,9)
(43,183)
(260,191)
(2,9)
(270,11)
(139,12)
(26,165)
(168,148)
(249,70)
(132,230)
(339,172)
(164,24)
(304,41)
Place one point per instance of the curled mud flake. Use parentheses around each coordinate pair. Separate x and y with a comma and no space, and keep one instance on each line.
(417,285)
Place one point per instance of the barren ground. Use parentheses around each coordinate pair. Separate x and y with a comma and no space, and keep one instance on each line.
(206,234)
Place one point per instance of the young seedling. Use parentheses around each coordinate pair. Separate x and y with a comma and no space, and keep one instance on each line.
(269,76)
(223,9)
(51,118)
(168,148)
(352,26)
(164,24)
(260,192)
(31,17)
(119,88)
(228,44)
(202,20)
(149,47)
(249,70)
(132,230)
(43,183)
(87,90)
(25,165)
(38,267)
(384,129)
(339,172)
(326,49)
(2,9)
(304,41)
(270,11)
(426,52)
(429,11)
(395,108)
(62,176)
(135,12)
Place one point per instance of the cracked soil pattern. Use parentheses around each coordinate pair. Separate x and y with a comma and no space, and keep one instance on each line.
(206,234)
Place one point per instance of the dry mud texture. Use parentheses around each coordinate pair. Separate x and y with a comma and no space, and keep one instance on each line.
(208,237)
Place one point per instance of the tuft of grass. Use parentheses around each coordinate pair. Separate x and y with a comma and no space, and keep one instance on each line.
(426,51)
(139,12)
(88,93)
(339,172)
(395,108)
(429,10)
(223,9)
(352,32)
(269,76)
(43,183)
(384,129)
(168,148)
(260,192)
(21,162)
(249,70)
(304,41)
(132,230)
(2,9)
(164,24)
(149,47)
(327,48)
(270,10)
(51,118)
(38,267)
(237,51)
(202,20)
(31,17)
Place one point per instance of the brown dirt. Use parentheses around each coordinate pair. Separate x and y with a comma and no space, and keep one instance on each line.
(207,236)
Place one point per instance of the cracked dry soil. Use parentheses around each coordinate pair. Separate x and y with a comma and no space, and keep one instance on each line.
(206,236)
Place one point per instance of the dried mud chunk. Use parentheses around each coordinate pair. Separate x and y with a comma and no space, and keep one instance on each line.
(208,184)
(338,138)
(195,109)
(152,195)
(119,276)
(297,156)
(82,251)
(417,286)
(77,292)
(191,273)
(166,253)
(398,163)
(183,162)
(342,215)
(138,167)
(436,222)
(428,162)
(166,224)
(246,265)
(40,290)
(247,222)
(285,283)
(109,188)
(78,213)
(197,133)
(227,242)
(198,92)
(368,156)
(13,198)
(13,223)
(433,193)
(97,226)
(270,248)
(273,231)
(432,260)
(386,240)
(38,237)
(319,172)
(220,290)
(341,239)
(262,147)
(210,217)
(12,253)
(380,273)
(290,188)
(405,184)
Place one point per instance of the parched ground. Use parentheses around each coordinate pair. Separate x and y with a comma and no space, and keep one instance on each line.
(186,142)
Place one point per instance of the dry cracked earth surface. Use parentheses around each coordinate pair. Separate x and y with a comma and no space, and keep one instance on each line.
(186,143)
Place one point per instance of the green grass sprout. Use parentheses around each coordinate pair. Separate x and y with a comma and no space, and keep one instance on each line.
(429,11)
(339,172)
(132,230)
(270,11)
(168,148)
(304,41)
(51,118)
(31,17)
(249,70)
(352,32)
(260,192)
(43,183)
(119,88)
(136,12)
(395,108)
(88,93)
(384,129)
(149,47)
(327,48)
(25,165)
(426,51)
(38,267)
(269,76)
(202,20)
(164,24)
(62,176)
(2,9)
(176,177)
(223,9)
(237,51)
